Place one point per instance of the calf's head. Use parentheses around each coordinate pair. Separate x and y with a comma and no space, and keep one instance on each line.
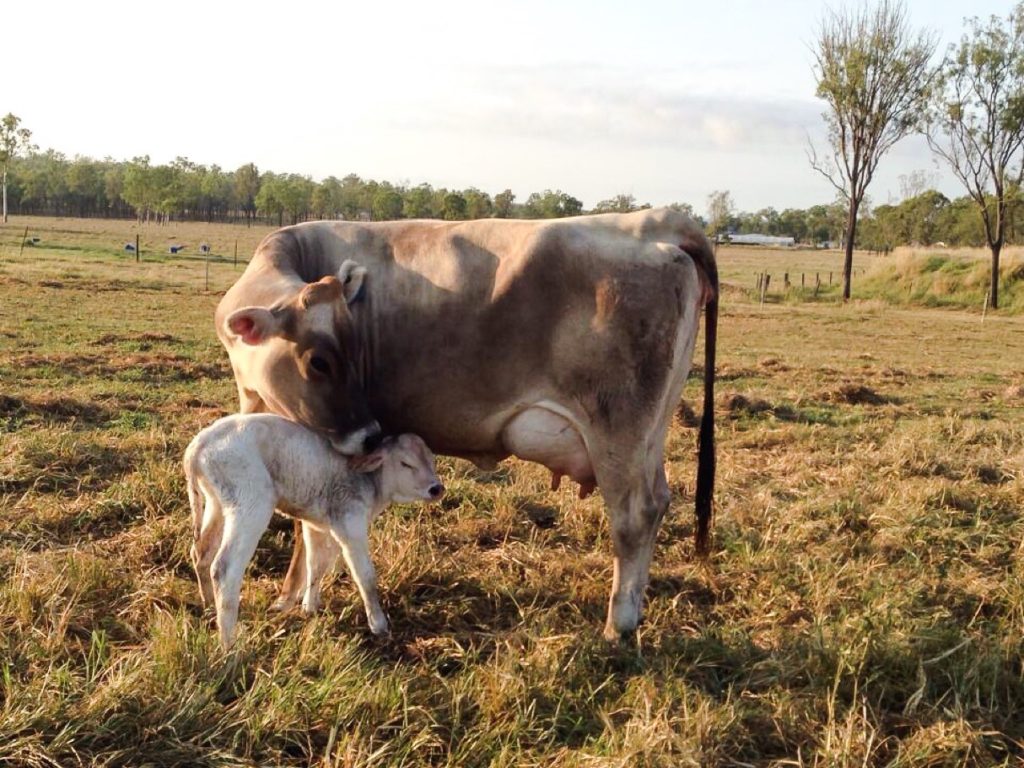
(408,471)
(306,359)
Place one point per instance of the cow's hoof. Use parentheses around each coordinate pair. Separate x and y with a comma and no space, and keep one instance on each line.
(282,605)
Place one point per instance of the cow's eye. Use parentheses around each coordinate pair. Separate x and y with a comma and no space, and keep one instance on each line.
(320,365)
(406,465)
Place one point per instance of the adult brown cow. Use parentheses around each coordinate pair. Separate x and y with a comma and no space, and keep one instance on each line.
(565,342)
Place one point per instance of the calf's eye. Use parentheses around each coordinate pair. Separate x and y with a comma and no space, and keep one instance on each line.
(320,365)
(406,465)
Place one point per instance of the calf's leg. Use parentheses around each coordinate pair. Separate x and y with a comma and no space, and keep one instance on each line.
(321,552)
(205,547)
(243,526)
(352,533)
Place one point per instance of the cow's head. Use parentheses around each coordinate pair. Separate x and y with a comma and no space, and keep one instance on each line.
(308,359)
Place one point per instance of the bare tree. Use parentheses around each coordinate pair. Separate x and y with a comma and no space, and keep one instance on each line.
(720,208)
(976,123)
(13,140)
(872,71)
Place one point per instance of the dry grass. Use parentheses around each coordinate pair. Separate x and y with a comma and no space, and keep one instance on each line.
(864,605)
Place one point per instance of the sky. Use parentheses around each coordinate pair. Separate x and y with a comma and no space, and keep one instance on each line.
(667,101)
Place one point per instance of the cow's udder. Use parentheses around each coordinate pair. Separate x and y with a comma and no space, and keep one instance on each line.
(545,437)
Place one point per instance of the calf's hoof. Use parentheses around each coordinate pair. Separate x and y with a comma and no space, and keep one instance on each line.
(282,604)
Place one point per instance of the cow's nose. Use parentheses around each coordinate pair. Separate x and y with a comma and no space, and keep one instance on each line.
(374,437)
(436,491)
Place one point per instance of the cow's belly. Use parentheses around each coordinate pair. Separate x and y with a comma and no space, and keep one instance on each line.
(545,437)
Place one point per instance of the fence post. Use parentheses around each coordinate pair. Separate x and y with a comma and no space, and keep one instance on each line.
(803,284)
(764,287)
(23,239)
(236,252)
(136,249)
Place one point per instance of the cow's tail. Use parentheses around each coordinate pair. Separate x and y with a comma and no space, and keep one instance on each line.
(699,250)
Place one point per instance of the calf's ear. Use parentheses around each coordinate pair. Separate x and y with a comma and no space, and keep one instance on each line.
(253,325)
(371,462)
(352,277)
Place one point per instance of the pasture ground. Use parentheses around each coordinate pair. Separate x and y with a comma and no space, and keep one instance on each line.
(864,604)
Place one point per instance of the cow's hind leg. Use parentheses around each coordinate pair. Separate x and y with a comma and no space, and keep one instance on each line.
(637,502)
(294,585)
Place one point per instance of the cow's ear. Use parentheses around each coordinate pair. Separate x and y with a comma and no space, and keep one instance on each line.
(352,277)
(253,325)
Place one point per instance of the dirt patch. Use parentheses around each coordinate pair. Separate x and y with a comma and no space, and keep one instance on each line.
(141,366)
(1014,392)
(541,515)
(58,409)
(145,338)
(773,364)
(736,405)
(853,394)
(729,373)
(686,416)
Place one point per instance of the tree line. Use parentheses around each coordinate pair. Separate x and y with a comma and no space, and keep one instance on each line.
(48,183)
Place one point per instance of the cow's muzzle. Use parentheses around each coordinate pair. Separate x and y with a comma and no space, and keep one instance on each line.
(360,441)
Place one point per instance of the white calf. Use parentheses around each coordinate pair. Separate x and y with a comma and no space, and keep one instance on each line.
(245,465)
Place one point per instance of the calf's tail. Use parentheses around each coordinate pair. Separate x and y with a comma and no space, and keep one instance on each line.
(700,251)
(195,494)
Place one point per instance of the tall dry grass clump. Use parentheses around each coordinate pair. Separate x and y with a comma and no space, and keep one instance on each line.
(945,278)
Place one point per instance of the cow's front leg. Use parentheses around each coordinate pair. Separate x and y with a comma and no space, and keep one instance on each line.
(635,513)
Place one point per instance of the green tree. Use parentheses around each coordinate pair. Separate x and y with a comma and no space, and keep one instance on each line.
(387,204)
(478,204)
(14,140)
(418,203)
(976,124)
(246,188)
(621,203)
(136,187)
(504,203)
(551,204)
(327,199)
(270,198)
(872,72)
(454,208)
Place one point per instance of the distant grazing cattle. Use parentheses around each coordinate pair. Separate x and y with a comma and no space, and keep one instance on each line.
(129,247)
(204,248)
(175,248)
(565,342)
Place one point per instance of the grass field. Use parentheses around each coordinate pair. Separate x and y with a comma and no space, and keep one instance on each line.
(863,606)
